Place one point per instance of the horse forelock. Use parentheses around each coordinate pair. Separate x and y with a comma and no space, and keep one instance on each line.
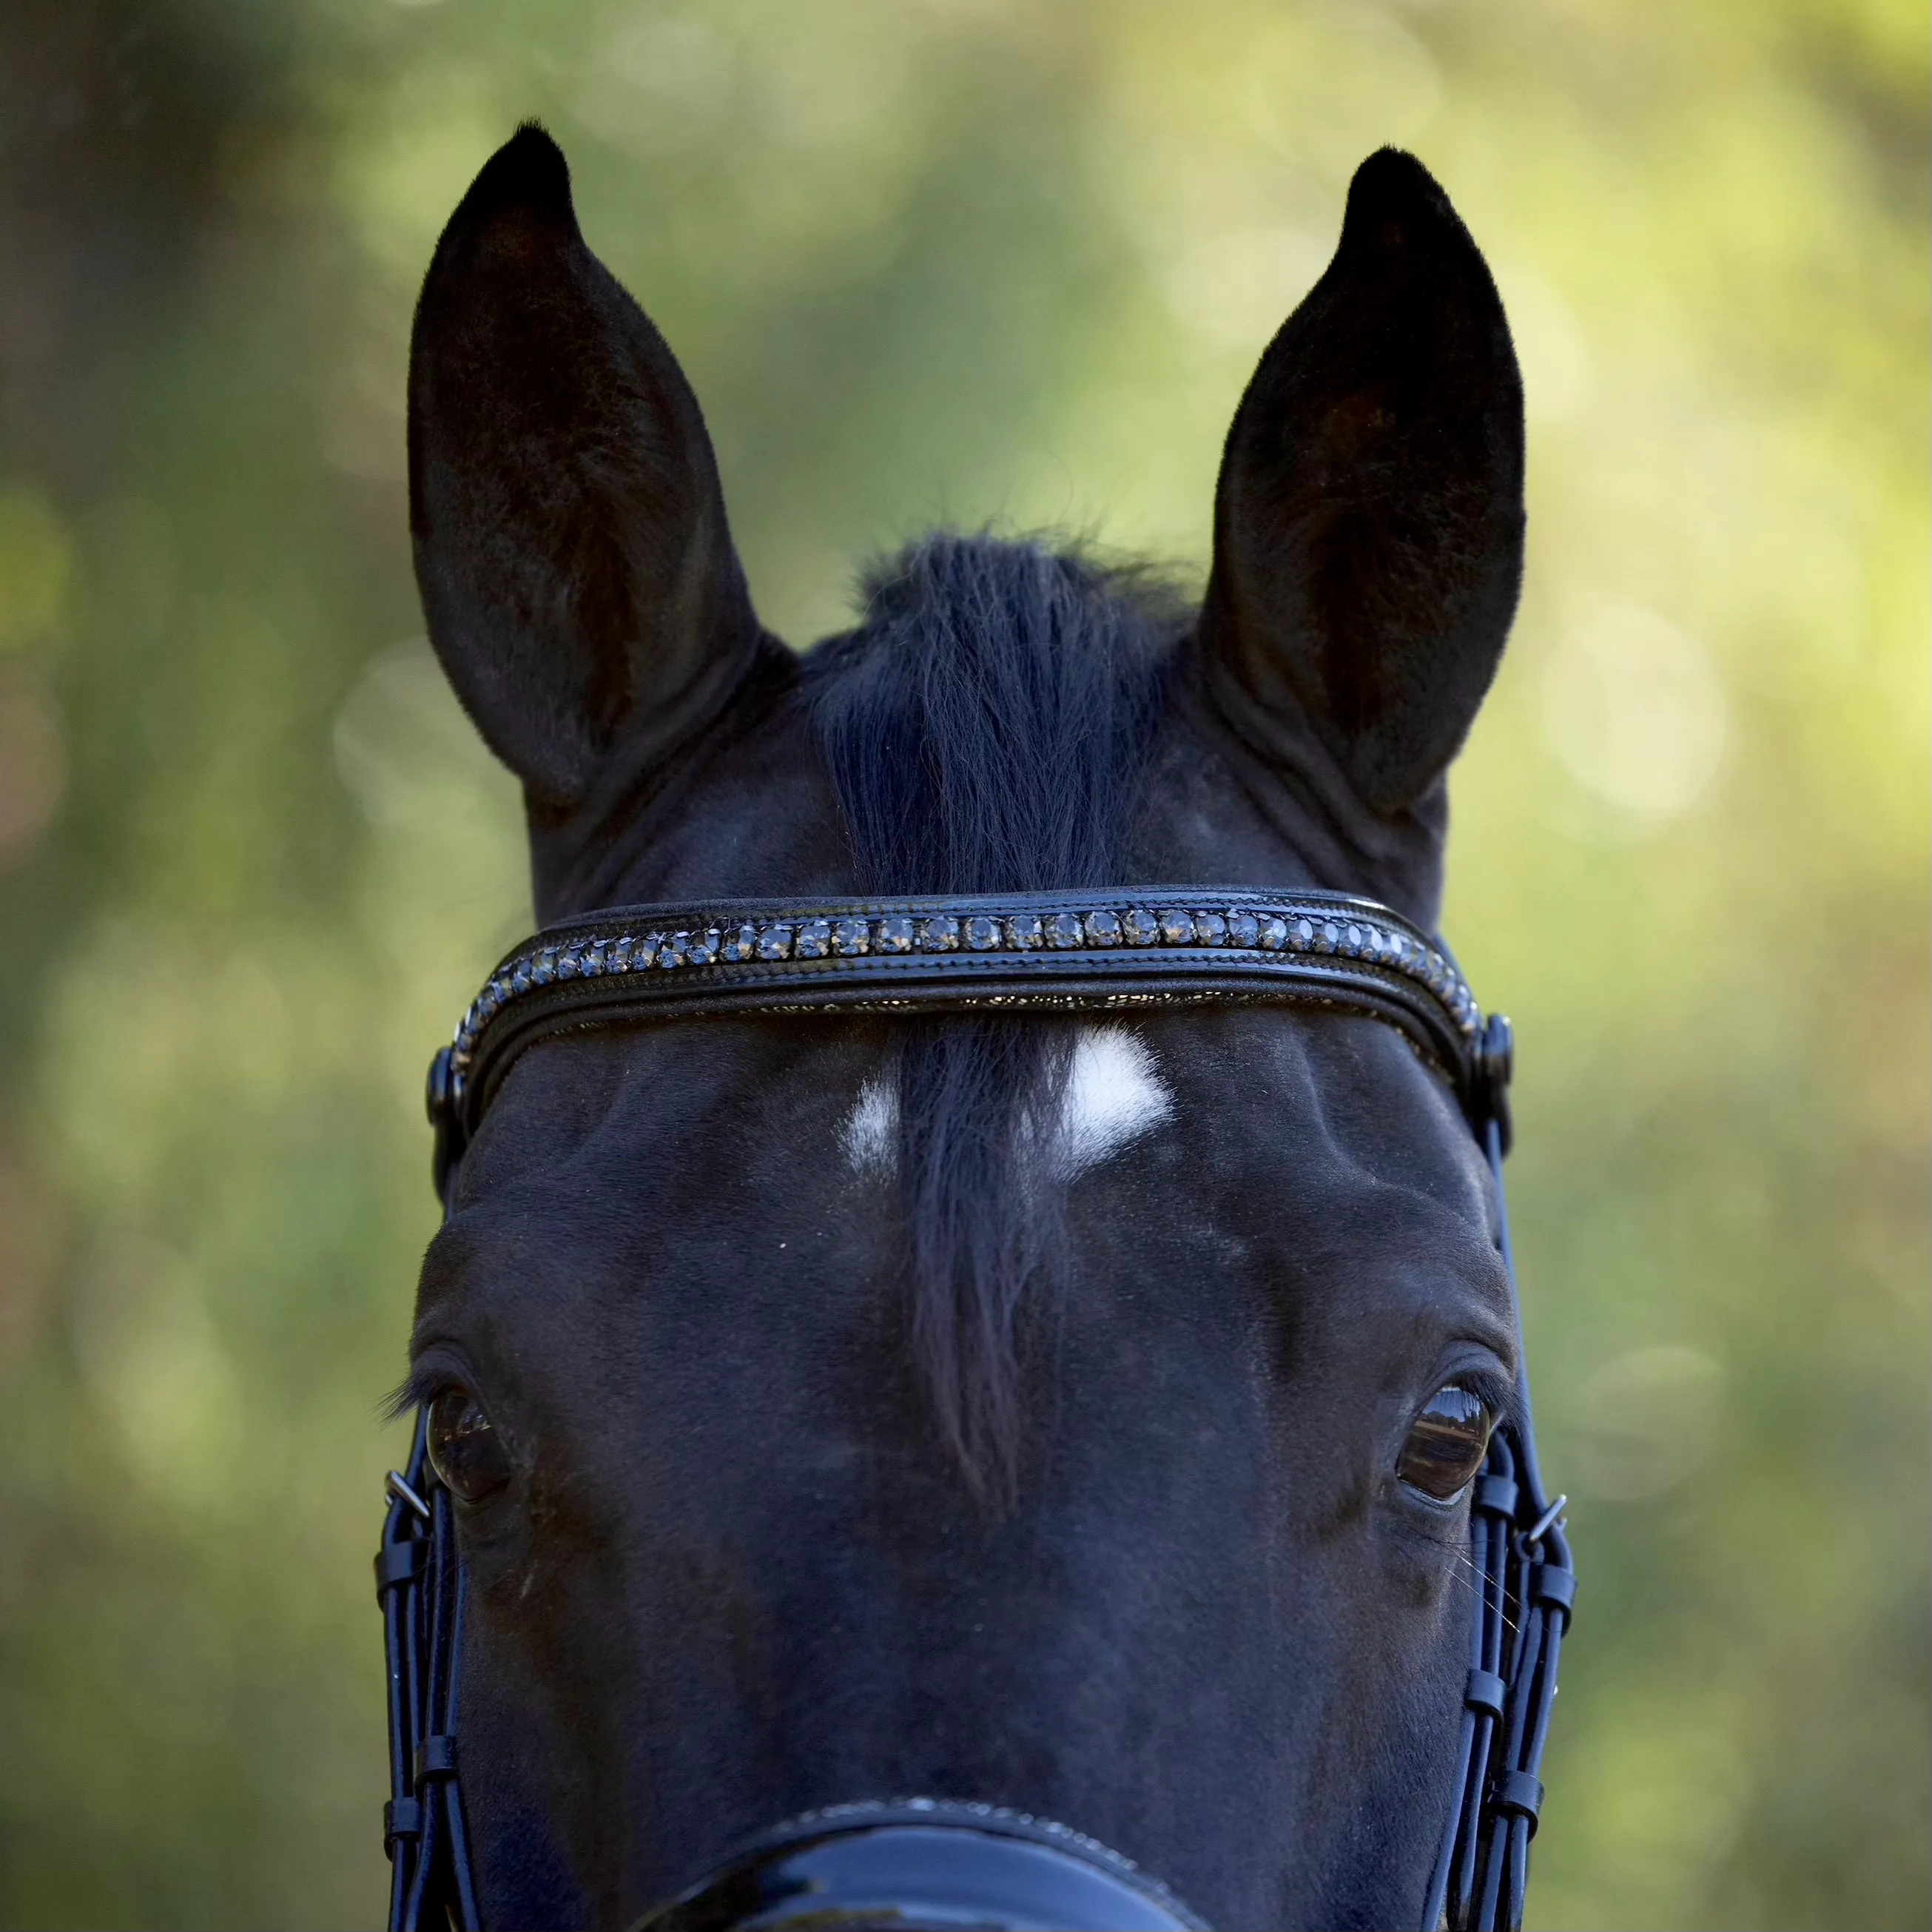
(986,726)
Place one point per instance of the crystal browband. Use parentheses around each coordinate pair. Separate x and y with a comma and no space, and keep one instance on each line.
(1172,946)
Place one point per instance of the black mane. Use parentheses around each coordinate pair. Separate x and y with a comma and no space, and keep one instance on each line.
(986,726)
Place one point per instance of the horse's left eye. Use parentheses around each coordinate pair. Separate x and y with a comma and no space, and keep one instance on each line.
(1447,1443)
(465,1451)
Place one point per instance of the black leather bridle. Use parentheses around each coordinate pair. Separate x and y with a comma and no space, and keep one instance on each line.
(923,1861)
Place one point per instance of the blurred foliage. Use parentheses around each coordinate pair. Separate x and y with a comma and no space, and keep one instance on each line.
(962,260)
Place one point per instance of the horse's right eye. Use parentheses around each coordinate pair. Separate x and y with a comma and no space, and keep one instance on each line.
(465,1451)
(1447,1443)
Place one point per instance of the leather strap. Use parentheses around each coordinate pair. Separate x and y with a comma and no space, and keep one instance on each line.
(1115,950)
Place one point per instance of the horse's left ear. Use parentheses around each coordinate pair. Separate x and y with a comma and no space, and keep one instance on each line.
(1369,523)
(572,546)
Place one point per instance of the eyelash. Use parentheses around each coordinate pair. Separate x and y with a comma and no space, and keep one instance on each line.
(417,1390)
(1496,1394)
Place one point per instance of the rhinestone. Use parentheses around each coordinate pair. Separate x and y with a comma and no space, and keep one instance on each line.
(1103,929)
(670,951)
(491,1000)
(519,977)
(566,963)
(543,968)
(1211,928)
(596,959)
(1350,941)
(702,950)
(1327,936)
(814,941)
(775,942)
(1176,929)
(982,934)
(740,942)
(939,935)
(850,935)
(1026,931)
(1270,932)
(1063,930)
(1243,929)
(618,959)
(1141,928)
(895,934)
(1301,935)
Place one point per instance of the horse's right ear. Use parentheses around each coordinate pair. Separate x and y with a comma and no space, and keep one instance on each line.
(575,564)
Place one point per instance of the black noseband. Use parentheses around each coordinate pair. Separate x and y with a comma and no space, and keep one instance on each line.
(926,1865)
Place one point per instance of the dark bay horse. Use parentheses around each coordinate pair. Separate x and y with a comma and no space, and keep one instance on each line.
(1072,1415)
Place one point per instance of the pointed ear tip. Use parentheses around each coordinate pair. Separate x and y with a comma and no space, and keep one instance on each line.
(1392,179)
(528,169)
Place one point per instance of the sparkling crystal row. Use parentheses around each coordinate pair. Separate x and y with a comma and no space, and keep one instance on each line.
(1242,928)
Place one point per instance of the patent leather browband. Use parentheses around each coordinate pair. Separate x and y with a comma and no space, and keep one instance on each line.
(1109,950)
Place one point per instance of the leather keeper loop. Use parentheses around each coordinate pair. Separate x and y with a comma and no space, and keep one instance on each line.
(400,1563)
(1521,1795)
(1496,1496)
(1555,1588)
(435,1757)
(1485,1691)
(402,1818)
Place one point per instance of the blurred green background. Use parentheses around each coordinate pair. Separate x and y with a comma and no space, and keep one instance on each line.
(967,259)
